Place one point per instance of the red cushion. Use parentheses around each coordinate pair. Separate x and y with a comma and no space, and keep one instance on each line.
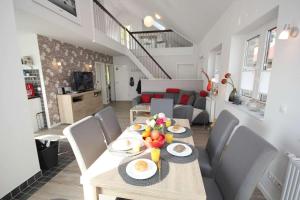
(158,96)
(203,93)
(184,99)
(146,98)
(172,90)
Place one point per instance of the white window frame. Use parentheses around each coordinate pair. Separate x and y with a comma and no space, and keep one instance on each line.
(263,34)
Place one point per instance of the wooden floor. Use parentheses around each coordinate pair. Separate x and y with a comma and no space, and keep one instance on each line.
(65,185)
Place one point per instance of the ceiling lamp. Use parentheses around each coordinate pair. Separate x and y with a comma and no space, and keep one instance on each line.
(288,31)
(148,21)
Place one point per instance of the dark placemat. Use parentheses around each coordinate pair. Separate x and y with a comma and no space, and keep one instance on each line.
(175,159)
(187,133)
(146,182)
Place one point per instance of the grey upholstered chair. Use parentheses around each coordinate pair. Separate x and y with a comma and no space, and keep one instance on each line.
(162,106)
(87,141)
(243,163)
(210,156)
(183,112)
(109,124)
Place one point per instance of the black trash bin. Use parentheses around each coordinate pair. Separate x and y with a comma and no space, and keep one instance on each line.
(48,156)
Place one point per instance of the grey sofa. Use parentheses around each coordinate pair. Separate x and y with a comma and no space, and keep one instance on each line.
(194,111)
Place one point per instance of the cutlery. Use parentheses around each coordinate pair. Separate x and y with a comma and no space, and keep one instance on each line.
(159,169)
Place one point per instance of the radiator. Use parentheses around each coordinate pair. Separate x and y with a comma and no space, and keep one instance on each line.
(291,188)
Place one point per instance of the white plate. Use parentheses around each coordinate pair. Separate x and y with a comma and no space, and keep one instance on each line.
(124,144)
(181,130)
(132,127)
(188,151)
(133,173)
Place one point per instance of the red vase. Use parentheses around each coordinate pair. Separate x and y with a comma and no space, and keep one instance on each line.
(209,85)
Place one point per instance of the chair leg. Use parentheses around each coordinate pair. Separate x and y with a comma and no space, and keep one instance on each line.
(89,192)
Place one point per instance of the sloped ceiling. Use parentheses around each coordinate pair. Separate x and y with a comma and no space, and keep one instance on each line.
(191,18)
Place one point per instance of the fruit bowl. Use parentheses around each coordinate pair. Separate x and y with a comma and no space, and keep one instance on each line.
(156,143)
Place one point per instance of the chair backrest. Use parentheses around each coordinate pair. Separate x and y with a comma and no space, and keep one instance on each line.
(162,106)
(109,124)
(219,136)
(243,163)
(87,141)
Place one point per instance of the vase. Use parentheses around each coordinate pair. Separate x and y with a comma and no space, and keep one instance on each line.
(232,95)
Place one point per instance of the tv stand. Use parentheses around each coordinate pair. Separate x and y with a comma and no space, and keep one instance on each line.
(75,106)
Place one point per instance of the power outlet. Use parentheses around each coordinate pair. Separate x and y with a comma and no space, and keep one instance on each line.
(275,181)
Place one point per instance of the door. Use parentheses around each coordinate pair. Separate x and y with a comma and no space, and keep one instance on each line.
(122,83)
(103,81)
(186,71)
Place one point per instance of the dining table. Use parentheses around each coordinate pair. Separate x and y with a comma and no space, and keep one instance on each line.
(183,182)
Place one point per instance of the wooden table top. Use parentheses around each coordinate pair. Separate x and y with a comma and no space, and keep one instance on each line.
(184,181)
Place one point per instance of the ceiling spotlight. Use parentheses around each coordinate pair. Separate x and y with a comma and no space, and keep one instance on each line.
(157,16)
(148,21)
(288,31)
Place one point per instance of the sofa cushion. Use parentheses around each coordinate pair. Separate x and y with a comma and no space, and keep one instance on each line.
(172,90)
(191,95)
(146,98)
(184,99)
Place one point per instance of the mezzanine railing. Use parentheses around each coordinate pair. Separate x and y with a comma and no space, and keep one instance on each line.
(161,39)
(111,27)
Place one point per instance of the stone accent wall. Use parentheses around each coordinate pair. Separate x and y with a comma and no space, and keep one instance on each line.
(72,58)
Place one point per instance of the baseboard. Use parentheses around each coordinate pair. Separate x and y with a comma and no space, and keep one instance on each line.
(22,186)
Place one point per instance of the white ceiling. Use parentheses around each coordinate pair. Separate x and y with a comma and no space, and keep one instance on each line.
(191,18)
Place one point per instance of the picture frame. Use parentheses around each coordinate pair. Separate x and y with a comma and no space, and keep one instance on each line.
(65,8)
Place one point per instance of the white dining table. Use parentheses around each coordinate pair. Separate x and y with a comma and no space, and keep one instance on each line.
(184,181)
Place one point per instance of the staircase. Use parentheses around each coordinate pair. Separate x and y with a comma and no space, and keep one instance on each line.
(106,23)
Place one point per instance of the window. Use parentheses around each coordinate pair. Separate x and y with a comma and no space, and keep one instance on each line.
(257,65)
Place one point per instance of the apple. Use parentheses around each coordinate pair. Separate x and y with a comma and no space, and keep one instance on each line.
(148,142)
(161,137)
(155,134)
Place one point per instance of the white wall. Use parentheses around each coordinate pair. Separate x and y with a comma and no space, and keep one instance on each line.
(162,85)
(169,58)
(282,130)
(28,46)
(17,147)
(133,72)
(84,12)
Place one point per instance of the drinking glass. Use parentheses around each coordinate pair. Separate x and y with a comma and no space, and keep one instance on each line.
(168,122)
(169,138)
(155,154)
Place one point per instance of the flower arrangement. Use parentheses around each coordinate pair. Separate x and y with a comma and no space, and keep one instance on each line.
(228,80)
(157,121)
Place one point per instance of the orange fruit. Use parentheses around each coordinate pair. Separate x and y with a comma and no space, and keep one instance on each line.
(146,134)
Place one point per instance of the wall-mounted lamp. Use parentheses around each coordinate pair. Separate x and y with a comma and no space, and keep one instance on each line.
(58,64)
(288,31)
(90,66)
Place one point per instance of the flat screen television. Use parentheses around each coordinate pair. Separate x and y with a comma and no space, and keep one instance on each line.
(83,81)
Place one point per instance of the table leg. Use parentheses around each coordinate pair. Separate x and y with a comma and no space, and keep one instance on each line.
(89,192)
